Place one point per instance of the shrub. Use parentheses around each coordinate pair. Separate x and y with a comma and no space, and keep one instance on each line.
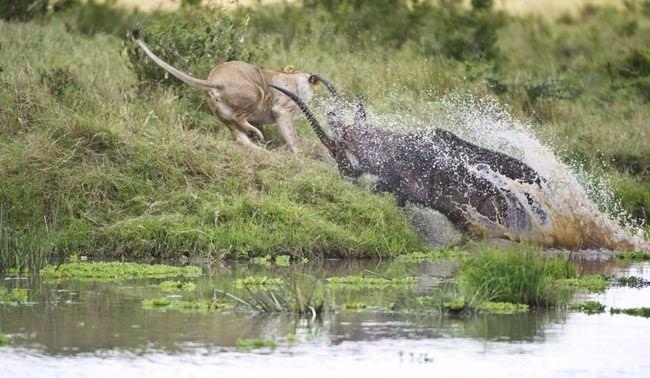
(463,34)
(25,10)
(194,40)
(22,9)
(91,17)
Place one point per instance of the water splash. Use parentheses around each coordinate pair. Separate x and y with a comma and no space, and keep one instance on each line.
(569,209)
(568,197)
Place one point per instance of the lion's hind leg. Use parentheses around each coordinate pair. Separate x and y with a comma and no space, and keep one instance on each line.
(246,127)
(224,114)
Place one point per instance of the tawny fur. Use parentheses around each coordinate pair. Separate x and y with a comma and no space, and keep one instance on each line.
(239,95)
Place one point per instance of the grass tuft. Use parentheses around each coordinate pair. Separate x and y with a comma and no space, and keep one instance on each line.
(514,275)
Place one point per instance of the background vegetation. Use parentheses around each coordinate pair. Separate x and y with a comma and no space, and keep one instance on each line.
(102,154)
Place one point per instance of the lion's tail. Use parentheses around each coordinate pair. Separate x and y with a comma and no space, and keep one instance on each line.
(182,76)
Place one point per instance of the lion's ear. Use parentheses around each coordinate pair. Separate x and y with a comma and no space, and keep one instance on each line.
(289,69)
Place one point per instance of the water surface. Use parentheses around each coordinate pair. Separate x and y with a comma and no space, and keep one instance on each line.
(74,328)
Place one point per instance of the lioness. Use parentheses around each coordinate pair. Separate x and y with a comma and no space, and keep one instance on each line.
(239,95)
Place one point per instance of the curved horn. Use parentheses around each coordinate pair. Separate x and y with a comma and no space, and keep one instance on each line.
(329,143)
(330,87)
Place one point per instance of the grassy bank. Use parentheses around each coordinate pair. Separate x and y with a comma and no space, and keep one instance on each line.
(92,164)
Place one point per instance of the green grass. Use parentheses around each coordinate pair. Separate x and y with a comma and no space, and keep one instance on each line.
(516,275)
(93,166)
(109,172)
(110,271)
(524,275)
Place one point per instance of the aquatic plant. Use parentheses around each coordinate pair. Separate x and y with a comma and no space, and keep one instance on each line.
(456,304)
(514,275)
(421,256)
(176,286)
(501,308)
(370,282)
(264,260)
(560,267)
(258,281)
(354,306)
(590,283)
(636,311)
(589,307)
(16,272)
(282,260)
(630,281)
(255,343)
(4,340)
(634,256)
(306,296)
(13,295)
(116,271)
(164,304)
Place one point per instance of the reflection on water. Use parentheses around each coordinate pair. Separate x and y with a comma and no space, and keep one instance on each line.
(73,326)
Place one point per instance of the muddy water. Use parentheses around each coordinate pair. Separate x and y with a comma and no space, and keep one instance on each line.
(78,329)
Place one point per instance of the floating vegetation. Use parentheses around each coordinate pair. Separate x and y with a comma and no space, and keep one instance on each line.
(16,272)
(370,282)
(13,295)
(354,306)
(262,260)
(176,286)
(109,271)
(502,308)
(592,283)
(588,307)
(455,305)
(260,281)
(631,281)
(634,256)
(420,256)
(248,344)
(280,260)
(164,304)
(635,311)
(4,340)
(283,260)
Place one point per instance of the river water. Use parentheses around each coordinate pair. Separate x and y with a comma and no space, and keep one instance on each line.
(74,328)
